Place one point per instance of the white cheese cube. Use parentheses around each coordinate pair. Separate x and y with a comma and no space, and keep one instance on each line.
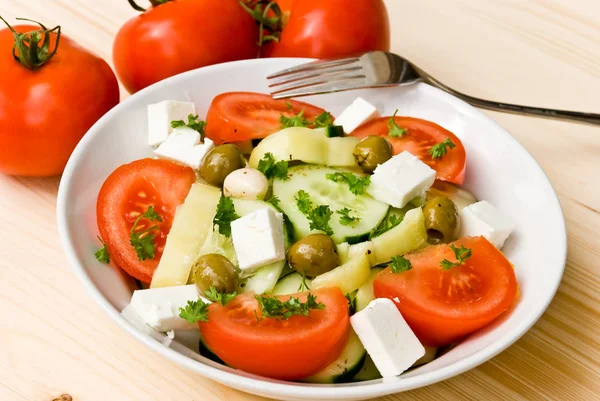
(183,146)
(355,115)
(400,180)
(258,239)
(390,342)
(193,156)
(159,307)
(160,116)
(483,218)
(134,318)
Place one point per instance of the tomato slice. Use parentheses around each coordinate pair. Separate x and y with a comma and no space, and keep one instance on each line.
(237,116)
(442,306)
(127,193)
(422,135)
(282,349)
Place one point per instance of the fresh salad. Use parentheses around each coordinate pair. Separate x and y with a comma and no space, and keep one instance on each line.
(277,239)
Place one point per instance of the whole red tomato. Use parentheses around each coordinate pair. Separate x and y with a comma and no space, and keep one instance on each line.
(48,101)
(182,35)
(331,28)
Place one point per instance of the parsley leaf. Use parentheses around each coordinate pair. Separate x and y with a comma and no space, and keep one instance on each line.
(461,255)
(351,303)
(345,218)
(318,217)
(272,169)
(296,121)
(303,285)
(323,120)
(274,200)
(282,310)
(394,130)
(357,185)
(390,221)
(400,264)
(194,123)
(102,253)
(195,311)
(215,296)
(225,215)
(439,150)
(143,241)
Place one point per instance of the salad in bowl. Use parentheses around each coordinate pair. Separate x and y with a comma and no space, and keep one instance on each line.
(277,239)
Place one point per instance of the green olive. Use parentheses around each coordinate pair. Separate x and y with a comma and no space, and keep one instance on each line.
(219,162)
(441,220)
(214,270)
(313,255)
(372,151)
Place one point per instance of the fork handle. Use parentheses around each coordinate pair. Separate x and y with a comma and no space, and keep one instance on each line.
(590,118)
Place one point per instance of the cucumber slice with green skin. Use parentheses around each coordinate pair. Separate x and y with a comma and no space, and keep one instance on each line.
(347,277)
(307,145)
(291,284)
(191,225)
(368,371)
(365,295)
(334,131)
(346,366)
(336,195)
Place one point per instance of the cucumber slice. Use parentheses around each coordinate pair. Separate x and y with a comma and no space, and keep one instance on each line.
(368,371)
(357,250)
(337,196)
(307,145)
(191,225)
(333,131)
(347,277)
(346,366)
(405,237)
(461,198)
(365,295)
(291,284)
(220,244)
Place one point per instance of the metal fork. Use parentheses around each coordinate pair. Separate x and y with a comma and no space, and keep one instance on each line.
(377,69)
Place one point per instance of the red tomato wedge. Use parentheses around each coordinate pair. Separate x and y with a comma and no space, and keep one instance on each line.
(282,349)
(237,116)
(127,193)
(442,306)
(422,135)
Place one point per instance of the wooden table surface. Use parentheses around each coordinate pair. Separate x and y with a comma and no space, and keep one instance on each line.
(54,339)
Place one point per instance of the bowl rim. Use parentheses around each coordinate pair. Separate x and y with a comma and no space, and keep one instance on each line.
(292,389)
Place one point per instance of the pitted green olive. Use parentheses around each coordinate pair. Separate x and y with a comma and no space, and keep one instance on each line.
(441,220)
(313,255)
(220,162)
(214,270)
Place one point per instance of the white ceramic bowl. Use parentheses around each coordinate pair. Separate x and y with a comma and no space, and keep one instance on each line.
(498,170)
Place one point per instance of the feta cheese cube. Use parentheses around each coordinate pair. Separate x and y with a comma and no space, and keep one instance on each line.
(183,146)
(483,218)
(400,180)
(258,239)
(159,307)
(386,336)
(358,113)
(160,116)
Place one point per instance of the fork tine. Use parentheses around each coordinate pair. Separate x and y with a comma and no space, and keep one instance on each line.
(350,82)
(313,66)
(303,78)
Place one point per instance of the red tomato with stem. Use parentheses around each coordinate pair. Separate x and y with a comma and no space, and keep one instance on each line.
(442,306)
(332,28)
(420,136)
(182,35)
(238,116)
(126,194)
(281,349)
(51,92)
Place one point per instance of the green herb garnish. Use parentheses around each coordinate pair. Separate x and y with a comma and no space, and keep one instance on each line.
(102,253)
(195,311)
(439,150)
(274,200)
(357,184)
(323,120)
(215,296)
(461,255)
(271,168)
(303,285)
(143,241)
(272,307)
(394,130)
(400,264)
(225,215)
(194,123)
(390,221)
(318,217)
(351,303)
(345,218)
(295,121)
